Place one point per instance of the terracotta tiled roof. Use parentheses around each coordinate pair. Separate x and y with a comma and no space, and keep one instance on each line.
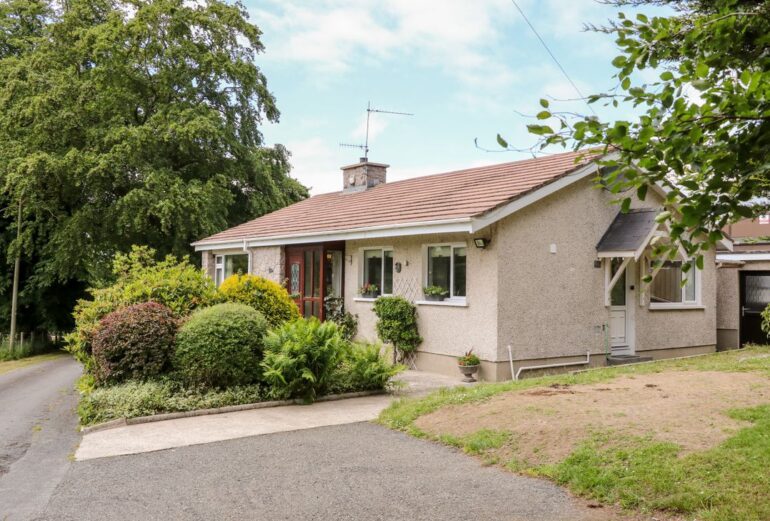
(439,197)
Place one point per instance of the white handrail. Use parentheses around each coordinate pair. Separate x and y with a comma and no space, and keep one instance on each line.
(515,376)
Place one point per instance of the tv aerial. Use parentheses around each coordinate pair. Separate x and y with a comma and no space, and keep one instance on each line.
(369,112)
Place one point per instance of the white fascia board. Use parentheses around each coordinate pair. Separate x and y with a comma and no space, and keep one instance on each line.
(532,197)
(462,225)
(221,245)
(727,257)
(616,254)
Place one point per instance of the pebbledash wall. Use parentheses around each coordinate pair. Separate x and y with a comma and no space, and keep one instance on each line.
(549,307)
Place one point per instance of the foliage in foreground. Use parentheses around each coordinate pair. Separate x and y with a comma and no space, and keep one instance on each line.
(363,368)
(134,342)
(726,483)
(268,297)
(300,358)
(703,124)
(174,283)
(221,346)
(132,399)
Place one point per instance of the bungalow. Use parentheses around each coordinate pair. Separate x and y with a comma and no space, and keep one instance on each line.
(539,266)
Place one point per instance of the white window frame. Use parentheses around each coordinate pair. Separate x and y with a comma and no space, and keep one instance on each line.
(219,264)
(697,303)
(452,246)
(362,259)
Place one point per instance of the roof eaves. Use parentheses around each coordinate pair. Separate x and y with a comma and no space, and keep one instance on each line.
(457,225)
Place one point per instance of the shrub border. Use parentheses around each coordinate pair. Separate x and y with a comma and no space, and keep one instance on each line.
(121,422)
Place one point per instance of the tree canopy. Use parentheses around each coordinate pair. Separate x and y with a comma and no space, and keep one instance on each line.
(703,125)
(128,122)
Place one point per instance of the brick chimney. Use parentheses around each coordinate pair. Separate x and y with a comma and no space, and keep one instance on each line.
(363,175)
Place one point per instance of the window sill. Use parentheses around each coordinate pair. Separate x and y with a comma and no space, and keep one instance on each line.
(364,299)
(674,307)
(456,303)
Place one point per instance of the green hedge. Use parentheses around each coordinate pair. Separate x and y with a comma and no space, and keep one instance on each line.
(221,346)
(139,277)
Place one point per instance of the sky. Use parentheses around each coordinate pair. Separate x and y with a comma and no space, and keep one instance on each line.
(466,69)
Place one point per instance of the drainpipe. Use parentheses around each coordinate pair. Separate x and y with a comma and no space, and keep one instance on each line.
(510,360)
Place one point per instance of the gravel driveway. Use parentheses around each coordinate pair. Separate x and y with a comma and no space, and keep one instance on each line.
(358,471)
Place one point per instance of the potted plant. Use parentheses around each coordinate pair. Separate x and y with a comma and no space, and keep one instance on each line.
(369,290)
(469,365)
(434,293)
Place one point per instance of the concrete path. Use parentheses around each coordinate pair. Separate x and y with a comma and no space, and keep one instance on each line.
(182,432)
(38,434)
(355,472)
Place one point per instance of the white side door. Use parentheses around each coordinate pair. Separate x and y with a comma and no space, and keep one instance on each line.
(621,311)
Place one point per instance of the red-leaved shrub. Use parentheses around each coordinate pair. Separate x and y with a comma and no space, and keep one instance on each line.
(134,342)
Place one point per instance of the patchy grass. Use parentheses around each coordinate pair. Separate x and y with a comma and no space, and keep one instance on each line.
(11,365)
(727,481)
(402,413)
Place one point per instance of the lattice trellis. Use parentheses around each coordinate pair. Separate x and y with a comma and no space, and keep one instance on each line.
(407,287)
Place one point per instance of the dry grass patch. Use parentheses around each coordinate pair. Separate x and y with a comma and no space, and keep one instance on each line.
(547,424)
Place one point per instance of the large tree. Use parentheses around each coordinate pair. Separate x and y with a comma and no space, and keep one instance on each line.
(127,122)
(703,129)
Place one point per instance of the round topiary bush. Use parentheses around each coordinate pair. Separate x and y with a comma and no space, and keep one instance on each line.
(268,297)
(134,342)
(221,346)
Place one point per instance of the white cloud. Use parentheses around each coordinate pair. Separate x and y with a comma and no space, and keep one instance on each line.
(333,36)
(316,164)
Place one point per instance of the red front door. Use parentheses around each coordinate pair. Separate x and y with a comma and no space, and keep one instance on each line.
(305,273)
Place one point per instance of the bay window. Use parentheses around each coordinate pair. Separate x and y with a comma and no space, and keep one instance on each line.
(446,269)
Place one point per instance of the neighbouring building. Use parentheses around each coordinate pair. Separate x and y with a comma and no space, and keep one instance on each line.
(539,266)
(743,278)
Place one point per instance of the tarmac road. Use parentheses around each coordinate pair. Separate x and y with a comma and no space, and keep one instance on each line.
(38,434)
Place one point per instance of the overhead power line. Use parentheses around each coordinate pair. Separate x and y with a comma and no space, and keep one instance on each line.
(552,55)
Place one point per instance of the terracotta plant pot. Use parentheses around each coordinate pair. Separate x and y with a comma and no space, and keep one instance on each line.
(468,371)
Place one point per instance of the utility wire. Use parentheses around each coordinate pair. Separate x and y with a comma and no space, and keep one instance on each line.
(553,57)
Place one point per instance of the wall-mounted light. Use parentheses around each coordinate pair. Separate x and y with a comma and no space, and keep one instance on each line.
(481,242)
(398,267)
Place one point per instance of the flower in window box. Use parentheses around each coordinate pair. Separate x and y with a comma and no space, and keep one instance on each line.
(369,290)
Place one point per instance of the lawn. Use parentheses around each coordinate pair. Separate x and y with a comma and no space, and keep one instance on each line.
(10,365)
(689,438)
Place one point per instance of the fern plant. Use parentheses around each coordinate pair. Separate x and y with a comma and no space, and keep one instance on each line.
(300,358)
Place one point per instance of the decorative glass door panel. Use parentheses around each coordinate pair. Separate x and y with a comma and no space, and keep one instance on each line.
(313,273)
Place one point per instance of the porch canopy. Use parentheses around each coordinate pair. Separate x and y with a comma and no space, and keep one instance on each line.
(627,237)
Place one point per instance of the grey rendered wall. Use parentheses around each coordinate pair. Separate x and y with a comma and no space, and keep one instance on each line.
(448,331)
(551,305)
